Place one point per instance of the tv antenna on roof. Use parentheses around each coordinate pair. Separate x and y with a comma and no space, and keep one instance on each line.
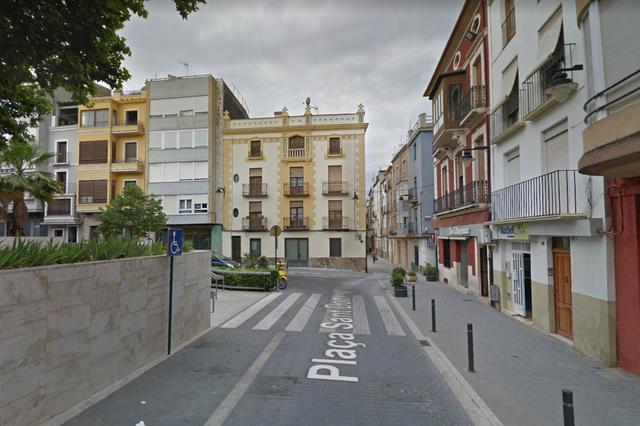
(186,65)
(307,102)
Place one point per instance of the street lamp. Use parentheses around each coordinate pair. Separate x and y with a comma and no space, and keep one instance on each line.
(561,86)
(467,155)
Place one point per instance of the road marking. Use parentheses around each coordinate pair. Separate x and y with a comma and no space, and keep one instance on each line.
(304,314)
(249,312)
(477,410)
(226,407)
(388,318)
(360,321)
(268,321)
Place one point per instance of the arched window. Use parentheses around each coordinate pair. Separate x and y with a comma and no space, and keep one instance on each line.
(296,142)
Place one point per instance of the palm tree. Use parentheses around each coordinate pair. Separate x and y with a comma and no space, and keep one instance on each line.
(21,163)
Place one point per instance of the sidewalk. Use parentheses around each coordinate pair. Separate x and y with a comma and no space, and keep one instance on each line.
(231,302)
(520,371)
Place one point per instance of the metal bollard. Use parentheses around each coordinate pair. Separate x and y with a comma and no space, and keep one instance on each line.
(433,315)
(567,407)
(413,296)
(470,347)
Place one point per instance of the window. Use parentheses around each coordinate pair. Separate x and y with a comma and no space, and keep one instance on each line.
(93,233)
(236,212)
(92,191)
(255,181)
(556,147)
(113,189)
(155,140)
(95,152)
(454,91)
(170,107)
(335,214)
(58,232)
(512,159)
(67,116)
(186,139)
(445,180)
(335,179)
(170,140)
(255,246)
(446,253)
(256,149)
(186,107)
(62,178)
(335,247)
(200,104)
(296,142)
(255,214)
(334,146)
(130,183)
(61,152)
(509,24)
(185,206)
(185,171)
(202,137)
(35,227)
(296,180)
(296,213)
(201,207)
(414,151)
(131,117)
(130,151)
(155,172)
(95,118)
(201,170)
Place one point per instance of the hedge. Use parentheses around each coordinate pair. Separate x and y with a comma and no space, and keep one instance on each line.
(249,279)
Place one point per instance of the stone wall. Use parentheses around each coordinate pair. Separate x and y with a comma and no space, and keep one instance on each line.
(350,263)
(68,331)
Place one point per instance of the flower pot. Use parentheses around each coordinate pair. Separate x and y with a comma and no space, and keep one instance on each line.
(400,291)
(411,278)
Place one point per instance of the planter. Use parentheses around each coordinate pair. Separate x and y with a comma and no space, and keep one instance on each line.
(431,278)
(412,278)
(400,291)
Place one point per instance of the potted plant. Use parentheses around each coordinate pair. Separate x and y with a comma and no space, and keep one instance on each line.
(397,282)
(411,276)
(430,272)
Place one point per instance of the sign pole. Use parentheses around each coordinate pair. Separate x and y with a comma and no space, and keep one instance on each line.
(170,304)
(276,240)
(174,248)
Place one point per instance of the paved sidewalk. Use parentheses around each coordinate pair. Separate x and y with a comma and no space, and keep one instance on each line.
(232,302)
(520,371)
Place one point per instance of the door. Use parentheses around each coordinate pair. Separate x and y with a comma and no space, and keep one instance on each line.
(484,281)
(236,249)
(72,234)
(416,256)
(296,251)
(464,268)
(562,292)
(517,279)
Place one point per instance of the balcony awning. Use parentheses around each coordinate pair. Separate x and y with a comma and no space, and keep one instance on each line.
(508,80)
(548,37)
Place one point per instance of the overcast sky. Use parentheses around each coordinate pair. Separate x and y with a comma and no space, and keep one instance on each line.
(339,53)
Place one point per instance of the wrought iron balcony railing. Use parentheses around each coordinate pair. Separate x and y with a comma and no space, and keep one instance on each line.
(254,190)
(295,223)
(476,192)
(335,223)
(296,190)
(254,223)
(623,92)
(475,98)
(413,195)
(551,194)
(334,188)
(506,115)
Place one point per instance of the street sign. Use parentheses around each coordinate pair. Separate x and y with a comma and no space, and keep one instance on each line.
(174,244)
(275,231)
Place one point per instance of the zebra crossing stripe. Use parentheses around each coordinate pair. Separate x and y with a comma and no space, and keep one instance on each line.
(273,317)
(388,318)
(302,317)
(360,321)
(242,317)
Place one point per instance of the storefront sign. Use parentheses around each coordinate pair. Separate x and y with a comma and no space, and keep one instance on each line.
(458,232)
(517,231)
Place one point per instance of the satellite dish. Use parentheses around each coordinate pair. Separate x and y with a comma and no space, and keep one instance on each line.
(308,101)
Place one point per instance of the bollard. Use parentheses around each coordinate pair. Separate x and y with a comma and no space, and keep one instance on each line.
(567,407)
(413,296)
(433,315)
(470,347)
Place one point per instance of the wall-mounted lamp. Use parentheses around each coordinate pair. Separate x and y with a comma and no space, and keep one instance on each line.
(467,155)
(355,196)
(220,190)
(561,86)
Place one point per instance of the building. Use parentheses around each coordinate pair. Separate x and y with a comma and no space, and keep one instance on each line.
(304,173)
(611,148)
(185,152)
(458,90)
(552,261)
(376,213)
(398,196)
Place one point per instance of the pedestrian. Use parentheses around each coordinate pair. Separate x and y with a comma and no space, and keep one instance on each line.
(373,255)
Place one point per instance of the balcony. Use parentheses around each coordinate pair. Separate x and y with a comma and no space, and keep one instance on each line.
(296,190)
(127,165)
(413,195)
(61,211)
(471,194)
(335,223)
(506,119)
(509,27)
(59,207)
(295,223)
(334,188)
(611,141)
(254,223)
(473,106)
(33,205)
(402,229)
(127,129)
(254,190)
(549,195)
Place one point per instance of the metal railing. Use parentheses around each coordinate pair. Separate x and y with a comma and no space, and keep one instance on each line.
(254,190)
(509,27)
(591,107)
(474,98)
(128,160)
(254,223)
(295,223)
(334,187)
(402,229)
(506,115)
(59,207)
(296,190)
(90,199)
(476,192)
(551,194)
(534,87)
(336,223)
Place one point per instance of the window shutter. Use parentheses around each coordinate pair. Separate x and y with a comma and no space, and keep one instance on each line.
(85,188)
(201,170)
(169,140)
(100,151)
(186,137)
(296,172)
(255,172)
(335,173)
(131,150)
(201,104)
(155,140)
(202,137)
(86,152)
(186,171)
(556,147)
(170,172)
(255,207)
(513,167)
(99,191)
(335,205)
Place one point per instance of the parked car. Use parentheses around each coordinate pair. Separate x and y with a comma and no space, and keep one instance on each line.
(224,262)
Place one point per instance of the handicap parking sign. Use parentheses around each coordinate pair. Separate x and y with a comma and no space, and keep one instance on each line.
(174,243)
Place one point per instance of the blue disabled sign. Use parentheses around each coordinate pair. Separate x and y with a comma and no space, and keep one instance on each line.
(174,245)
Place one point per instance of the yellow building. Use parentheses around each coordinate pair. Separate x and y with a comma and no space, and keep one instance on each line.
(305,174)
(111,151)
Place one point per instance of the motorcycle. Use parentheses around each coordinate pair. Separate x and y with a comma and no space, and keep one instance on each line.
(281,267)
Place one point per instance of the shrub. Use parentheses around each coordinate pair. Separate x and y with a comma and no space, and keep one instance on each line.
(430,270)
(397,280)
(411,274)
(263,262)
(246,279)
(398,270)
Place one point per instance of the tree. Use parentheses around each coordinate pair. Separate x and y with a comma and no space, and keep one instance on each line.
(132,214)
(22,174)
(46,44)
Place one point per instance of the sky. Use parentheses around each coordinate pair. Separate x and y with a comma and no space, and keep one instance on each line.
(380,53)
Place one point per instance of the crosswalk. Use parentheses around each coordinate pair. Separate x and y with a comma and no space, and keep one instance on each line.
(294,313)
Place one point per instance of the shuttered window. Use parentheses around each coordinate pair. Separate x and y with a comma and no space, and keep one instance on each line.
(296,142)
(131,151)
(556,147)
(255,207)
(334,145)
(256,150)
(335,247)
(93,152)
(201,170)
(202,137)
(513,166)
(335,173)
(92,191)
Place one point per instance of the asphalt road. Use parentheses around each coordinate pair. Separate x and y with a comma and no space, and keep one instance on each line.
(329,350)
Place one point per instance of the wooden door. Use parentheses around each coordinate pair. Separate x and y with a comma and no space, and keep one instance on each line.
(562,292)
(236,251)
(484,280)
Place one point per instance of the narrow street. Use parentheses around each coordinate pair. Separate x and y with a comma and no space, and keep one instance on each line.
(255,367)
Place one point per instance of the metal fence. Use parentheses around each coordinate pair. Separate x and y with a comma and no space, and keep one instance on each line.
(254,223)
(254,189)
(338,223)
(476,192)
(295,223)
(297,189)
(334,187)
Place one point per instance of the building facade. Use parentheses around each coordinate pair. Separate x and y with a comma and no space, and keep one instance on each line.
(458,91)
(398,229)
(303,173)
(611,148)
(552,261)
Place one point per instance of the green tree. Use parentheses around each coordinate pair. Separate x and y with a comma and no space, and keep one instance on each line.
(46,44)
(132,214)
(21,175)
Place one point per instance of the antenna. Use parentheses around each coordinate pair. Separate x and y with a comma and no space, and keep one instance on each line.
(186,65)
(307,102)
